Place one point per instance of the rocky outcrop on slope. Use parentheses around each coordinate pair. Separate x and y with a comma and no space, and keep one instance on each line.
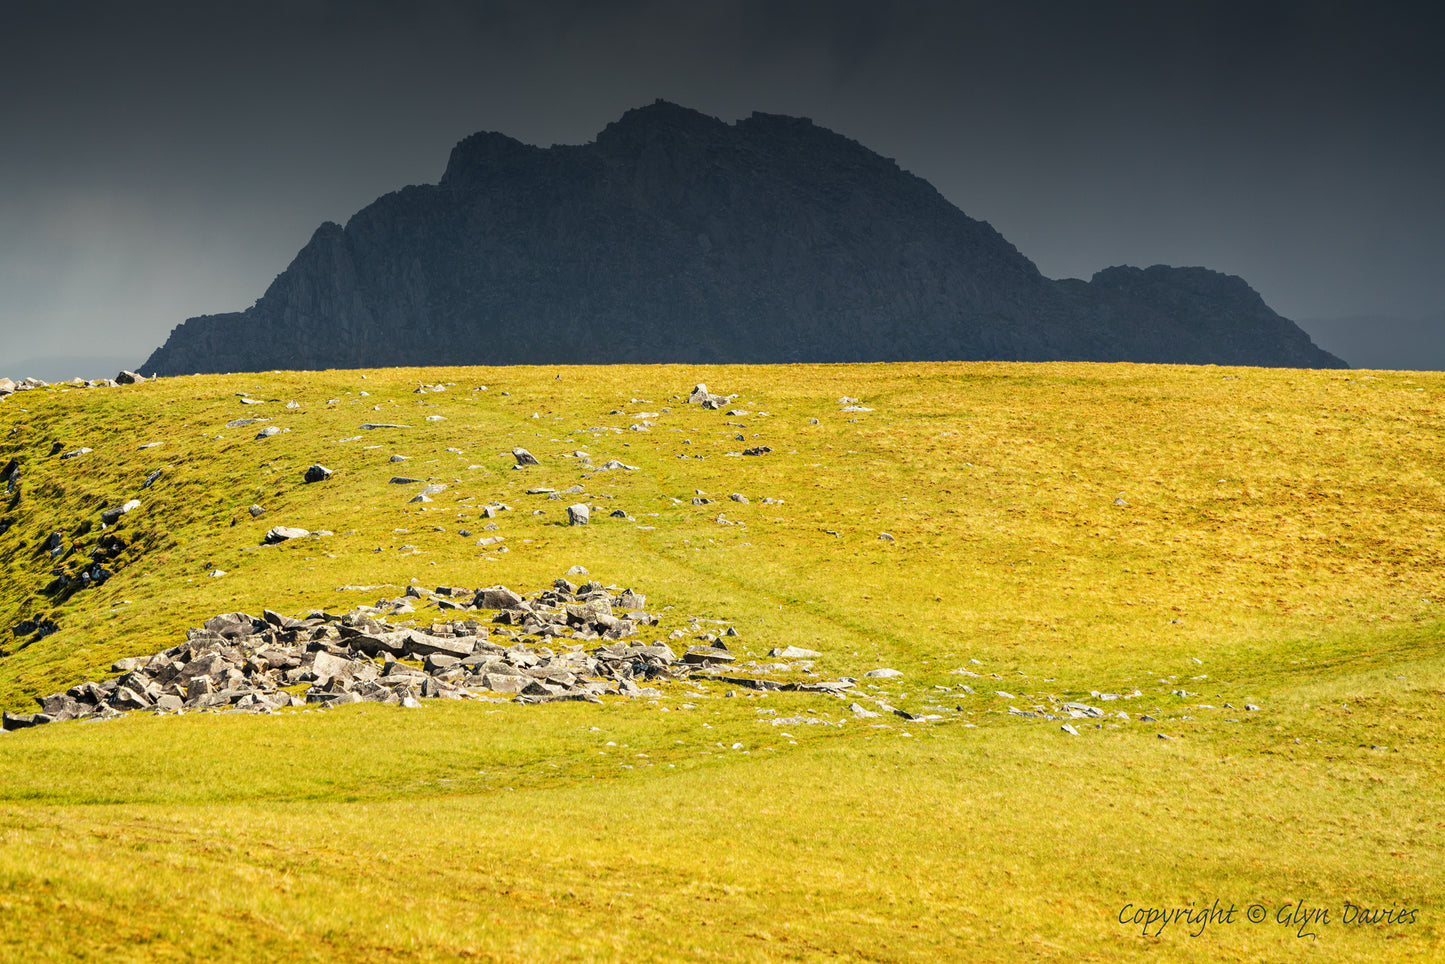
(675,237)
(240,662)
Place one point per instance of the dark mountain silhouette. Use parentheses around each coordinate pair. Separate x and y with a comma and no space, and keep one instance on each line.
(674,237)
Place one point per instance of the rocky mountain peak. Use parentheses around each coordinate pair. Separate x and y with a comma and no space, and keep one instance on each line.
(676,237)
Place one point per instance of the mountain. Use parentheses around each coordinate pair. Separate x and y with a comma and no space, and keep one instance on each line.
(675,237)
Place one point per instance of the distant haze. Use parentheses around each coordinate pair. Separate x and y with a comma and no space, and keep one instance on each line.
(1414,344)
(165,159)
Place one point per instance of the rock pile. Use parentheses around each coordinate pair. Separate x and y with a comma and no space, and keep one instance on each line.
(239,662)
(9,386)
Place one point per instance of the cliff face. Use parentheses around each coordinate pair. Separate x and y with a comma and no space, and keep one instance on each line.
(674,237)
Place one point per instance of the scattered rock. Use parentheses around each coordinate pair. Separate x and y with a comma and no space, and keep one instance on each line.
(111,516)
(317,473)
(757,450)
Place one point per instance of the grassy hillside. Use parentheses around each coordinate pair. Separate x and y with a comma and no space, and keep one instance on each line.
(1243,537)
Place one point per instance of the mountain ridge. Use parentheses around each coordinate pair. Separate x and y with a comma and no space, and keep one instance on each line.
(676,237)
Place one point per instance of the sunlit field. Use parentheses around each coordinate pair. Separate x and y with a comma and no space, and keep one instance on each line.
(1242,568)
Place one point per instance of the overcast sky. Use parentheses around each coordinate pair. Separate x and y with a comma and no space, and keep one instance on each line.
(160,160)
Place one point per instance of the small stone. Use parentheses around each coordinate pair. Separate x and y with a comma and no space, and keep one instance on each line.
(267,432)
(317,473)
(1069,730)
(410,702)
(524,457)
(795,652)
(256,511)
(882,673)
(283,533)
(1250,708)
(402,480)
(739,497)
(110,516)
(399,458)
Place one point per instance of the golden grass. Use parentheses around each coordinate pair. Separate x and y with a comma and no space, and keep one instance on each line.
(1280,546)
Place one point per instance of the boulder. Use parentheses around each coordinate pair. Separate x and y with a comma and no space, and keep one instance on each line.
(283,533)
(22,721)
(424,644)
(129,378)
(524,457)
(578,514)
(110,516)
(497,597)
(235,625)
(317,473)
(328,667)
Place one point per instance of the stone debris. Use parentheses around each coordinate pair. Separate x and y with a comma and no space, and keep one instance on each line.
(795,652)
(244,663)
(701,396)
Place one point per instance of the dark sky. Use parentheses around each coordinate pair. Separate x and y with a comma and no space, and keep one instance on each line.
(165,159)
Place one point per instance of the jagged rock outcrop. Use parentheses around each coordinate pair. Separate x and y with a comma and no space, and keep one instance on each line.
(675,237)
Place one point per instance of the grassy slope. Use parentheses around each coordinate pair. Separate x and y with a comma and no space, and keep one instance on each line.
(1280,546)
